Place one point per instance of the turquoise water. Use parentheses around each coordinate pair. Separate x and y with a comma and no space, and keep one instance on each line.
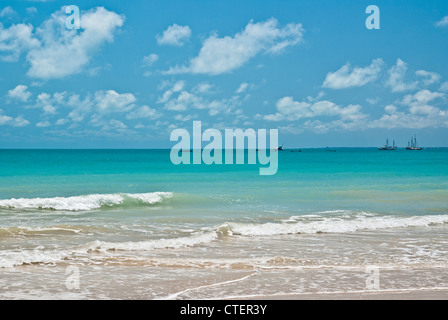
(403,181)
(116,208)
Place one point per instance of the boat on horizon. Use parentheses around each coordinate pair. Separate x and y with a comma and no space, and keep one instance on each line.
(412,144)
(280,148)
(387,147)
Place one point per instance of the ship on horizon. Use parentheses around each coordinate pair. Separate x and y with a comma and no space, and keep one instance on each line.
(387,147)
(412,144)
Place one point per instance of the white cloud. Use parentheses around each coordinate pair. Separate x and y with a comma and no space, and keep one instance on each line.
(347,77)
(100,104)
(80,107)
(179,99)
(423,96)
(112,101)
(393,118)
(114,124)
(430,77)
(43,124)
(175,35)
(49,109)
(443,22)
(20,122)
(373,101)
(290,110)
(61,122)
(61,52)
(48,102)
(31,10)
(203,87)
(15,40)
(178,86)
(144,112)
(184,118)
(222,55)
(444,86)
(150,59)
(20,93)
(420,113)
(14,122)
(7,12)
(242,87)
(182,102)
(419,102)
(396,80)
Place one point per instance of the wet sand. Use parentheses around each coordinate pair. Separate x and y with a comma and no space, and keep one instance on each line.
(423,294)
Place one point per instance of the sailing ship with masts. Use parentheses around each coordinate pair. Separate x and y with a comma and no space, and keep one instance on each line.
(387,147)
(412,144)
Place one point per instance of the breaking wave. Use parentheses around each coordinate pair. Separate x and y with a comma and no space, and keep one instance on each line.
(309,224)
(87,202)
(298,225)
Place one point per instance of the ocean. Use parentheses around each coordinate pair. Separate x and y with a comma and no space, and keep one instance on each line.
(129,224)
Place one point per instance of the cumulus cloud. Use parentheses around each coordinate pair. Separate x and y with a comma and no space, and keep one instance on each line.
(290,110)
(397,75)
(112,101)
(419,111)
(223,55)
(419,103)
(20,93)
(15,40)
(49,103)
(176,98)
(54,52)
(429,77)
(347,77)
(43,124)
(11,121)
(61,52)
(97,106)
(80,107)
(175,35)
(178,86)
(394,118)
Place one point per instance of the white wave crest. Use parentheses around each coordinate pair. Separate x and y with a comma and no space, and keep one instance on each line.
(333,225)
(84,203)
(174,243)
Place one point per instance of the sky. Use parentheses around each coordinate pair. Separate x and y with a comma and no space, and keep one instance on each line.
(136,70)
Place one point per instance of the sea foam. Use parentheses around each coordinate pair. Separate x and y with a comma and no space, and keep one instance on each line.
(332,225)
(86,202)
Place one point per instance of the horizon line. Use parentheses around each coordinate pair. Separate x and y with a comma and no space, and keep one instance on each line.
(304,148)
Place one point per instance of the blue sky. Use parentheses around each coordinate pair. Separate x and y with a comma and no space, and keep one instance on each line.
(136,70)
